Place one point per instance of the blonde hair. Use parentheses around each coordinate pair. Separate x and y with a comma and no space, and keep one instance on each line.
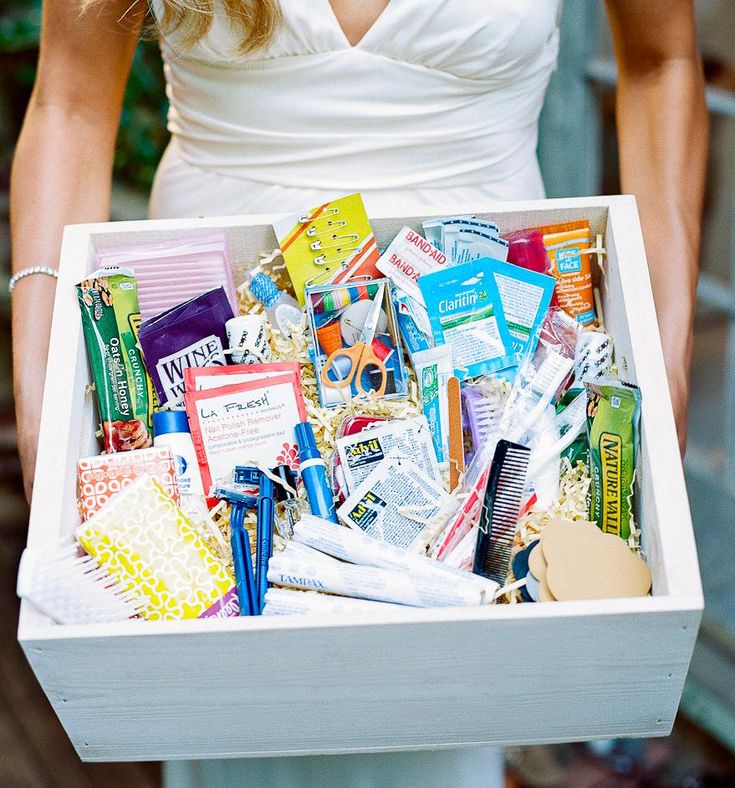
(256,20)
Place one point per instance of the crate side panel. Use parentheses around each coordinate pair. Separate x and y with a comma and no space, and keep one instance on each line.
(368,688)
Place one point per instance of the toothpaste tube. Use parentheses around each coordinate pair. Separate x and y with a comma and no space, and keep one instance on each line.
(285,602)
(108,300)
(366,582)
(358,548)
(408,257)
(433,369)
(526,296)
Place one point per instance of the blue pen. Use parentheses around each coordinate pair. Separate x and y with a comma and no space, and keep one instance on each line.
(314,474)
(265,540)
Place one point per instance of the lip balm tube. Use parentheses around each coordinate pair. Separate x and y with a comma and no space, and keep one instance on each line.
(359,548)
(314,474)
(433,369)
(367,582)
(284,602)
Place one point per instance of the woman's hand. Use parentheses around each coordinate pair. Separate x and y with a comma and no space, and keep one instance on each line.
(663,137)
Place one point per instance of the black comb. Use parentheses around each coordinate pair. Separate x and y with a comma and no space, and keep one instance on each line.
(500,507)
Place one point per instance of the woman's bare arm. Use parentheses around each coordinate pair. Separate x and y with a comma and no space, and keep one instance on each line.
(62,174)
(663,136)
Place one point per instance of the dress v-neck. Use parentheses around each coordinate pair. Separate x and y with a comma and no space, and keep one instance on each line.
(334,20)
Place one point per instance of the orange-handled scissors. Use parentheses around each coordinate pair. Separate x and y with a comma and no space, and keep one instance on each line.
(361,355)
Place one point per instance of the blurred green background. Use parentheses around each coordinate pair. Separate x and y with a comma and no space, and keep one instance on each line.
(143,134)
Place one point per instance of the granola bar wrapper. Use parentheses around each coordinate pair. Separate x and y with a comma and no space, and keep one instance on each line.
(108,300)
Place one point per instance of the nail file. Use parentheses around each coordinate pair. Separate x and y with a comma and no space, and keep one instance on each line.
(456,442)
(501,505)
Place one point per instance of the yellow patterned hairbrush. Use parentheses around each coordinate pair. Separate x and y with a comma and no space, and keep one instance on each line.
(150,546)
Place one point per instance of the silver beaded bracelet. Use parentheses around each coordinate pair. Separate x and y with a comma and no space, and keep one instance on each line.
(34,269)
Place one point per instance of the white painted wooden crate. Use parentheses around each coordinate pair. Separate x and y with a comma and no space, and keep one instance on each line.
(434,678)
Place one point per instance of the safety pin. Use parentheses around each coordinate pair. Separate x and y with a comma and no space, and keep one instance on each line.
(314,230)
(321,259)
(308,217)
(350,237)
(325,275)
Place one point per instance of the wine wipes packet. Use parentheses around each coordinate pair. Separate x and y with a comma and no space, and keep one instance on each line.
(191,334)
(108,300)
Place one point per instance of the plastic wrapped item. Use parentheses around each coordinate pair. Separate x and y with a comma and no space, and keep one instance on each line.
(170,272)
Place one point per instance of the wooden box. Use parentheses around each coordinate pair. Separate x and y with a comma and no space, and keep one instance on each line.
(506,674)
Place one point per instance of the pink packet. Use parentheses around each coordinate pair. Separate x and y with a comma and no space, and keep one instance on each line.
(169,272)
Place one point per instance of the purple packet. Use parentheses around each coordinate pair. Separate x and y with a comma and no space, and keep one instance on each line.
(191,334)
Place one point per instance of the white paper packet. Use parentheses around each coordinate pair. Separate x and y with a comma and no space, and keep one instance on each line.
(285,602)
(366,582)
(410,439)
(395,504)
(358,548)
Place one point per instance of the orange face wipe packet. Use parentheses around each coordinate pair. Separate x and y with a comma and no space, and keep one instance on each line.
(573,270)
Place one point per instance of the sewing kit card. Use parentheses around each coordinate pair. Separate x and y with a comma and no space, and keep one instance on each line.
(331,243)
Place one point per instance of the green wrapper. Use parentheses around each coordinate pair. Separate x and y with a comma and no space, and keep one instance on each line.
(613,418)
(108,300)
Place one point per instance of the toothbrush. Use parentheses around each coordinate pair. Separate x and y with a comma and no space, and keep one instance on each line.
(73,588)
(573,417)
(541,386)
(481,415)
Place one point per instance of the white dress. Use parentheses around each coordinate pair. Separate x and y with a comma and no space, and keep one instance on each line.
(437,104)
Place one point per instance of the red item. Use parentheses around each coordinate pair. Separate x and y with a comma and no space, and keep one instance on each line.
(527,250)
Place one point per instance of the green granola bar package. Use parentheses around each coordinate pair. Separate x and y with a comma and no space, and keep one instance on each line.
(108,300)
(613,419)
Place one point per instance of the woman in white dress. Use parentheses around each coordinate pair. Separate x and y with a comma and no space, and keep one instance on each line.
(280,106)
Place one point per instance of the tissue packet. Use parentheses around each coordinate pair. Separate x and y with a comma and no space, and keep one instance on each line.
(169,272)
(103,476)
(191,334)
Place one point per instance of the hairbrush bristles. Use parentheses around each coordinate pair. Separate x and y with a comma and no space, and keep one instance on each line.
(73,588)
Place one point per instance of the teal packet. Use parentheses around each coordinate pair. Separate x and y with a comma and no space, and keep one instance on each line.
(466,313)
(526,297)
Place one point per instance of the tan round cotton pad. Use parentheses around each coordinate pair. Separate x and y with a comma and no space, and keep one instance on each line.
(537,563)
(584,563)
(544,592)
